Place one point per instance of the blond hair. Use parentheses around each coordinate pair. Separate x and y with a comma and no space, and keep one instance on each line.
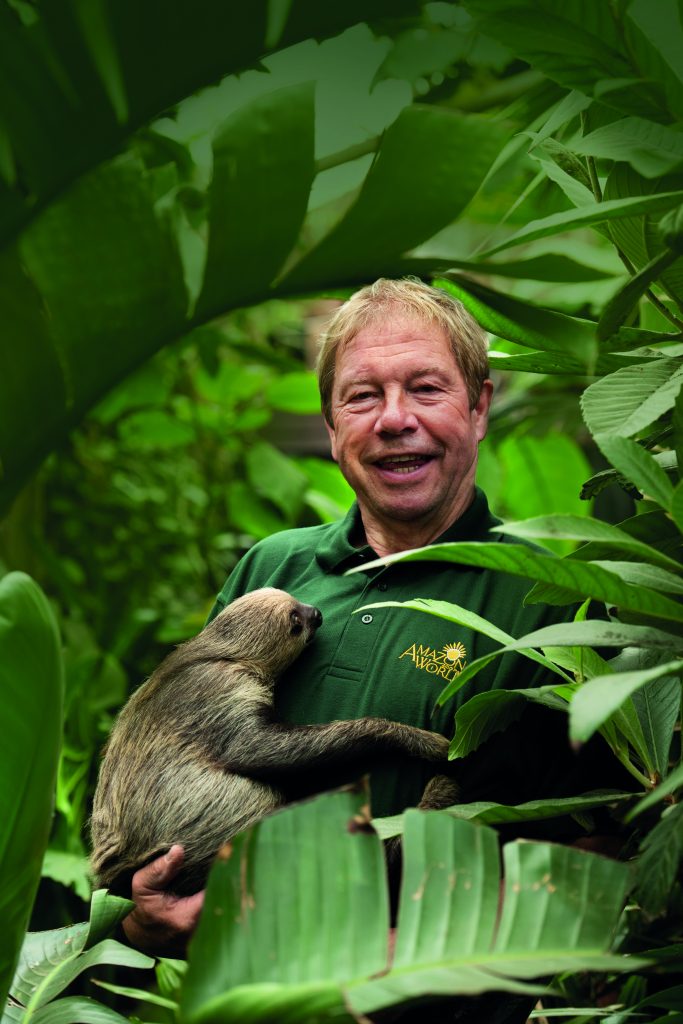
(408,296)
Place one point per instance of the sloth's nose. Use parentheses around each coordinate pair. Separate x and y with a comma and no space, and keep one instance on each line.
(316,618)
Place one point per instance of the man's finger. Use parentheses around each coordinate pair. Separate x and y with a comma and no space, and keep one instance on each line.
(156,875)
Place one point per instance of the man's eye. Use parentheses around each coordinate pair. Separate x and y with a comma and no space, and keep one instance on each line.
(427,389)
(361,396)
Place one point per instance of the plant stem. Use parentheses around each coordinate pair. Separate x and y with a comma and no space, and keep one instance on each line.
(346,155)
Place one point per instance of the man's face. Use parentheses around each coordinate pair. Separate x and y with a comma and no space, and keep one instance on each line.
(404,435)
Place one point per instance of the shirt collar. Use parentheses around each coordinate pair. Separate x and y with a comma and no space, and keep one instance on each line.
(336,551)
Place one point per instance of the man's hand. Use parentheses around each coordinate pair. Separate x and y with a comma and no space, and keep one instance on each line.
(161,923)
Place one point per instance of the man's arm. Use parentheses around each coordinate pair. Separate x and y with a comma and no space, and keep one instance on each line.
(161,923)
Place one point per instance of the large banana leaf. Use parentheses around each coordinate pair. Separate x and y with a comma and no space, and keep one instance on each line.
(142,249)
(32,687)
(293,930)
(77,78)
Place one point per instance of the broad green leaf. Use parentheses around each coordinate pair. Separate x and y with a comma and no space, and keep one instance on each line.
(74,1010)
(70,869)
(263,171)
(32,685)
(328,492)
(451,875)
(250,513)
(638,466)
(568,220)
(264,952)
(632,398)
(671,783)
(276,477)
(582,579)
(548,267)
(644,575)
(677,422)
(576,45)
(295,392)
(61,123)
(653,149)
(558,363)
(491,712)
(585,528)
(677,504)
(488,813)
(660,856)
(262,920)
(620,306)
(54,978)
(523,323)
(658,706)
(599,698)
(428,193)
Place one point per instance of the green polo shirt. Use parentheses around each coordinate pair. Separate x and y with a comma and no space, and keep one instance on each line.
(389,662)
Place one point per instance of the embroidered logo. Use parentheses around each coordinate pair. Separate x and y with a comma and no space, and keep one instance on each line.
(446,663)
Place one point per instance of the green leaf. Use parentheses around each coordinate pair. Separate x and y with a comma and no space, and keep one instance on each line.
(620,306)
(451,875)
(70,869)
(568,220)
(492,711)
(677,504)
(32,685)
(652,149)
(643,575)
(558,363)
(587,529)
(75,1010)
(638,466)
(521,322)
(276,477)
(671,783)
(583,580)
(428,193)
(262,914)
(660,856)
(263,171)
(632,398)
(599,698)
(489,813)
(677,422)
(289,962)
(295,392)
(658,706)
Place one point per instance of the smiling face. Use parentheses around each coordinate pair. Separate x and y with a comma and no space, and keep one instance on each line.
(404,434)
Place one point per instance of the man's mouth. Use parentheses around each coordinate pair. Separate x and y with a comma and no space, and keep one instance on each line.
(403,463)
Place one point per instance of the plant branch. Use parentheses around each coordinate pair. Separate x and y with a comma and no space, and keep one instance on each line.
(345,156)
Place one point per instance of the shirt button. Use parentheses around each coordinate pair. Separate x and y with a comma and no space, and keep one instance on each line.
(366,618)
(382,586)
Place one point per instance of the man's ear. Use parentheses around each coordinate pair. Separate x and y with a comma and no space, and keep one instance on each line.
(480,412)
(333,440)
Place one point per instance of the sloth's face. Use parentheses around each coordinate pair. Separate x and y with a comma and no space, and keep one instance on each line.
(268,626)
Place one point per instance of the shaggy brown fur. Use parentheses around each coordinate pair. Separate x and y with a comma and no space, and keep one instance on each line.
(196,755)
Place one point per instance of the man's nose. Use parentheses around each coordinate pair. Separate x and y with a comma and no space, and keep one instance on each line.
(395,414)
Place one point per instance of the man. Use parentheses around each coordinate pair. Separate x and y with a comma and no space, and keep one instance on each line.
(403,377)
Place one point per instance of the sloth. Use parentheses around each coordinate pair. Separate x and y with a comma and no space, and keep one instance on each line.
(197,755)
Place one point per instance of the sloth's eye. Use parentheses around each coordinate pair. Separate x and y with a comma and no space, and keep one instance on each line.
(296,625)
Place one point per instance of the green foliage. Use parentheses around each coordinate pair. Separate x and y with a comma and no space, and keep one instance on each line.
(32,688)
(134,212)
(51,960)
(289,961)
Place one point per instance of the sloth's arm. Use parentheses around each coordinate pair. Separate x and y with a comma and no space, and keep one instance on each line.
(284,750)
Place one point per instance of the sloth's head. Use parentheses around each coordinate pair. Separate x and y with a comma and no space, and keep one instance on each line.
(267,626)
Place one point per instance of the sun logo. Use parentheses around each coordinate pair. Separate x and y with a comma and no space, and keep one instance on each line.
(455,654)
